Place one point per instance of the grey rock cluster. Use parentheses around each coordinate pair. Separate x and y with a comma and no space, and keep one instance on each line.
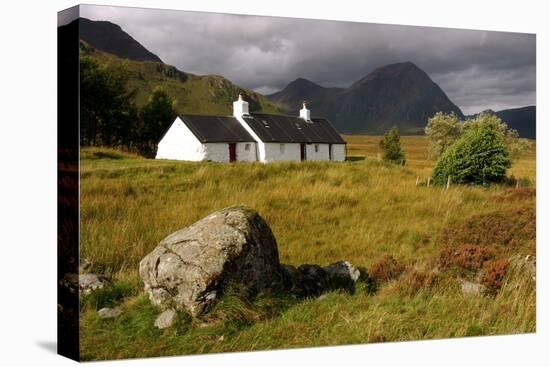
(312,280)
(191,267)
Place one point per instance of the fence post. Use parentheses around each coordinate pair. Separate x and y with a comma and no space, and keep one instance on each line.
(417,179)
(428,184)
(448,182)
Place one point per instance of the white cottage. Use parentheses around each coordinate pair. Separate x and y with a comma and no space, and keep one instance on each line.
(251,137)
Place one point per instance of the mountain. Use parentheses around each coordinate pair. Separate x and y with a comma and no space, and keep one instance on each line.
(193,94)
(291,97)
(399,95)
(522,119)
(109,37)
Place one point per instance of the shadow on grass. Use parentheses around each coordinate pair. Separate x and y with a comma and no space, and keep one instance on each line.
(355,158)
(106,155)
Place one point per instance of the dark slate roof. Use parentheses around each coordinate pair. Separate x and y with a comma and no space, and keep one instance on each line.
(216,129)
(292,129)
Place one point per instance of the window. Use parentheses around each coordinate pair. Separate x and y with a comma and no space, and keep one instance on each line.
(316,148)
(247,147)
(282,148)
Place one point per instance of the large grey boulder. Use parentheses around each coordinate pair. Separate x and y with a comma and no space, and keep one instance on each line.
(190,268)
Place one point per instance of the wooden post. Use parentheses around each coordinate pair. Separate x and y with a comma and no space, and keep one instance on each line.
(428,184)
(448,182)
(417,179)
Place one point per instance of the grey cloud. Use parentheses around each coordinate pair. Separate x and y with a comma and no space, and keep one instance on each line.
(477,69)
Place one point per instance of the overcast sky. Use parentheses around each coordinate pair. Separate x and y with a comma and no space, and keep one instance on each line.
(476,69)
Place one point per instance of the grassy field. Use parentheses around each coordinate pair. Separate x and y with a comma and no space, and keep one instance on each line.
(360,210)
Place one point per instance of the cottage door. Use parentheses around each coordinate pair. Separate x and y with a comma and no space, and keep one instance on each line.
(303,151)
(330,152)
(232,152)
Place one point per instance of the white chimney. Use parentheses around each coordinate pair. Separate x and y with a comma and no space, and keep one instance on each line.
(304,112)
(240,107)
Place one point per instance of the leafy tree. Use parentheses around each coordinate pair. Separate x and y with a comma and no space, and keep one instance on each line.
(155,118)
(442,131)
(516,146)
(391,147)
(479,156)
(107,110)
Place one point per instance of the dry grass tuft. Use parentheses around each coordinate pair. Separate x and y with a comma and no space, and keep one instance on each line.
(523,193)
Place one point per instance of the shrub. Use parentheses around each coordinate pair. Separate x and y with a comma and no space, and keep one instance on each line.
(391,147)
(511,227)
(414,280)
(385,269)
(493,274)
(479,156)
(468,257)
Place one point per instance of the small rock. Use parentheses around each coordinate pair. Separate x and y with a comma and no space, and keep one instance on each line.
(87,283)
(107,313)
(342,275)
(314,280)
(471,288)
(291,278)
(166,319)
(221,338)
(342,269)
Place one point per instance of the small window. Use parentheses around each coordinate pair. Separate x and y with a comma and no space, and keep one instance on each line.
(316,148)
(282,148)
(247,147)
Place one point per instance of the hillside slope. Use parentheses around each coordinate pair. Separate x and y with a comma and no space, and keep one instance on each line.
(523,119)
(399,95)
(194,94)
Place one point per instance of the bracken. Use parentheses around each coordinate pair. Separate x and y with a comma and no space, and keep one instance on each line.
(493,274)
(468,257)
(506,227)
(385,269)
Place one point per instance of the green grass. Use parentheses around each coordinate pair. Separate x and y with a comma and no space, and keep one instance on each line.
(320,212)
